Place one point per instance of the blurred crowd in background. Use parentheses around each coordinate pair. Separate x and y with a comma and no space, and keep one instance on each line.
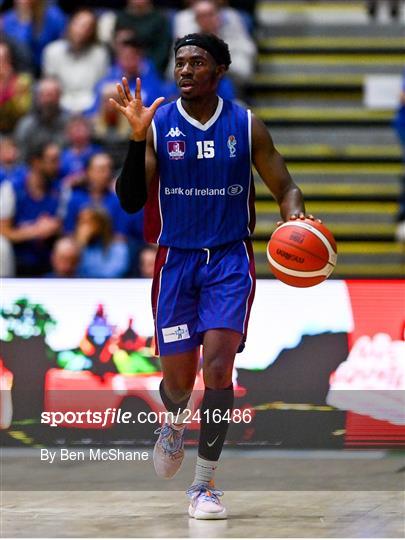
(62,143)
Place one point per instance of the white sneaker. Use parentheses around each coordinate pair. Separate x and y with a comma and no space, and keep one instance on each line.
(204,503)
(168,452)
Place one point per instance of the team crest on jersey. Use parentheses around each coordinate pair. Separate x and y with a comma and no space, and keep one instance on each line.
(176,149)
(232,145)
(175,132)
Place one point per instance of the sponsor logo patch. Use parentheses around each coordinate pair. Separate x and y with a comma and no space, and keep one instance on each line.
(175,333)
(232,145)
(235,189)
(176,149)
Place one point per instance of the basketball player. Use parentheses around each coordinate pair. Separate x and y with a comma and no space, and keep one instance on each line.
(190,163)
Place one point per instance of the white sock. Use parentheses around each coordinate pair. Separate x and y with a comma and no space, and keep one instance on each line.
(204,471)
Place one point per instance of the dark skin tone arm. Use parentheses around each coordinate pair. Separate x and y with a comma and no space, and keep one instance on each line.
(272,169)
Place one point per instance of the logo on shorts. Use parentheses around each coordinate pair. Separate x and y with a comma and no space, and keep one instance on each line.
(175,333)
(232,145)
(176,149)
(235,189)
(175,132)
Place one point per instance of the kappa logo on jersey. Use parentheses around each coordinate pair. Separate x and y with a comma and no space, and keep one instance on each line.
(175,333)
(175,132)
(232,145)
(235,189)
(176,149)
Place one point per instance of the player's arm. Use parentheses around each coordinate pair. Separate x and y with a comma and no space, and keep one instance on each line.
(138,171)
(140,165)
(272,169)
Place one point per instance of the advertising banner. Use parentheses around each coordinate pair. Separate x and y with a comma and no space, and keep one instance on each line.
(323,367)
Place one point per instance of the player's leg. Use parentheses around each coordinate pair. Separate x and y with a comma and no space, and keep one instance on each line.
(179,372)
(177,343)
(224,311)
(220,347)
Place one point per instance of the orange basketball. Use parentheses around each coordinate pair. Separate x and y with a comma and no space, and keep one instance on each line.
(302,253)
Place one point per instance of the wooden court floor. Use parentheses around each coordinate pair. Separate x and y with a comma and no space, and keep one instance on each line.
(373,507)
(252,514)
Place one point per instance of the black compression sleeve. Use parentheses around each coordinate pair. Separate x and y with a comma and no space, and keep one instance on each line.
(131,183)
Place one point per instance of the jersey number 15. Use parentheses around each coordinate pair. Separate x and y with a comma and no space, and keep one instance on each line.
(205,149)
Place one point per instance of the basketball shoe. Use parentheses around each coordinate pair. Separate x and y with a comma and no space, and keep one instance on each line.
(168,452)
(204,503)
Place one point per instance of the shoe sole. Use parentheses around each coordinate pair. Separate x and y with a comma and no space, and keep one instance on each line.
(198,514)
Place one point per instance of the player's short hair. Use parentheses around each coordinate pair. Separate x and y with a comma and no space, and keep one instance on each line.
(211,43)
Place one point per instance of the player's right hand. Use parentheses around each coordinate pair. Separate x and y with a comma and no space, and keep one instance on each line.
(139,117)
(301,215)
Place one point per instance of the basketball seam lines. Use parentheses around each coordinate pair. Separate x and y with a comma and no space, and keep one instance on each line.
(300,273)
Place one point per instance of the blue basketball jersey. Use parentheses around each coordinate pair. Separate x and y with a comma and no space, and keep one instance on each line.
(204,196)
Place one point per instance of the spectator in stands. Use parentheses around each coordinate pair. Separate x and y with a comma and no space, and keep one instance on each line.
(65,258)
(131,63)
(102,255)
(11,168)
(132,229)
(70,7)
(247,7)
(35,221)
(80,148)
(147,258)
(35,23)
(226,23)
(151,27)
(47,120)
(7,260)
(96,193)
(119,37)
(78,61)
(21,53)
(51,164)
(7,210)
(15,90)
(109,125)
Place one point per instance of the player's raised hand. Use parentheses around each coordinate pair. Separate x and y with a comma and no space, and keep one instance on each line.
(139,117)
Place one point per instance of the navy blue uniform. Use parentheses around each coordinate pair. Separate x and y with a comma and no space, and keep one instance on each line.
(201,213)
